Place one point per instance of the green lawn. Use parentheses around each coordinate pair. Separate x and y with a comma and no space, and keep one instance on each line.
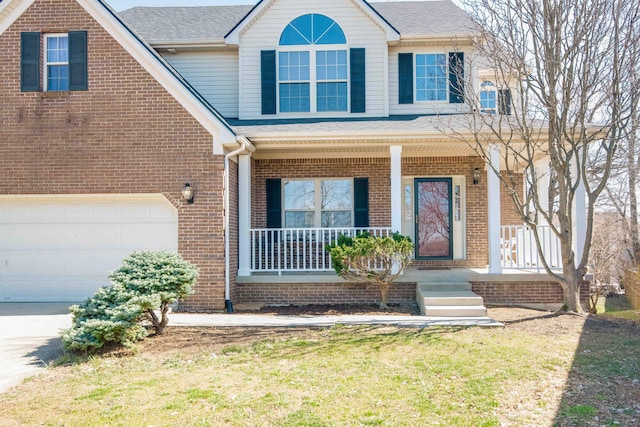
(354,376)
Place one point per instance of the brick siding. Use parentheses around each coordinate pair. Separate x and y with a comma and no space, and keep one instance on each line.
(126,134)
(377,170)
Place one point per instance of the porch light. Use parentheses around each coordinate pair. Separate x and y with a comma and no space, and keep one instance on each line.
(187,193)
(476,176)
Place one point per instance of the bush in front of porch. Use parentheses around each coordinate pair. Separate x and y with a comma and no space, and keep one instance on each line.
(375,260)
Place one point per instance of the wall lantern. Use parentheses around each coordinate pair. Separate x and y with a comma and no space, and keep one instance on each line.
(187,193)
(476,176)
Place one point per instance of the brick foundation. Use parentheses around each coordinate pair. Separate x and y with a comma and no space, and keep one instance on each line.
(494,293)
(524,293)
(322,293)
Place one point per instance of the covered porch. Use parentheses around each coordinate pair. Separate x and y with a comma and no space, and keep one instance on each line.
(393,161)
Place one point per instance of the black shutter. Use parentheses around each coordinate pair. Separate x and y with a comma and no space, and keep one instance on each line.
(30,62)
(360,202)
(274,203)
(504,102)
(405,76)
(456,77)
(78,79)
(358,82)
(268,76)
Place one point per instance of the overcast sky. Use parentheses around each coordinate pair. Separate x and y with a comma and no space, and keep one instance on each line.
(127,4)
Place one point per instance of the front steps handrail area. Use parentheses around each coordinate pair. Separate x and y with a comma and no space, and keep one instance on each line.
(449,299)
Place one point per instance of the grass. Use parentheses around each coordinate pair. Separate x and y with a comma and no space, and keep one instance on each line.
(368,376)
(618,307)
(352,376)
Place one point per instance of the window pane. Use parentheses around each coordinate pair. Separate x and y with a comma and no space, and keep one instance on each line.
(431,77)
(331,65)
(58,77)
(57,49)
(299,219)
(332,96)
(294,97)
(336,219)
(336,194)
(488,100)
(293,66)
(299,195)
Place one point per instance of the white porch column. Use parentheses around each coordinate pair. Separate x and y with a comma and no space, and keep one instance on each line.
(493,207)
(244,215)
(396,188)
(579,218)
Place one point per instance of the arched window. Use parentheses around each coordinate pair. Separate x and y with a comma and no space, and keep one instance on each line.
(312,66)
(312,29)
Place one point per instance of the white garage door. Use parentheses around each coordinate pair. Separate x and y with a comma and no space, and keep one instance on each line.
(63,248)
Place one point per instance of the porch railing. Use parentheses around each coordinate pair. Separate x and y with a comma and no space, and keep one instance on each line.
(298,249)
(518,248)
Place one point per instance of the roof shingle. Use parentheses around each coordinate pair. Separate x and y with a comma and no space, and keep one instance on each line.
(182,24)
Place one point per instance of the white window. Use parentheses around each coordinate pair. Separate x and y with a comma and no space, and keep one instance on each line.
(56,62)
(312,66)
(318,203)
(431,77)
(488,98)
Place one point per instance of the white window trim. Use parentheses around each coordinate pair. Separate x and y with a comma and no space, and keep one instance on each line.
(45,64)
(313,92)
(317,201)
(490,87)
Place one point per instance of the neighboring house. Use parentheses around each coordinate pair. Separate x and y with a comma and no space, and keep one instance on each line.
(293,122)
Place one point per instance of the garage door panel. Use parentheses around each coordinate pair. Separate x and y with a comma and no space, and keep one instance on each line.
(67,255)
(38,289)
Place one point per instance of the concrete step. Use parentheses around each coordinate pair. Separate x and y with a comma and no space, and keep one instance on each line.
(451,298)
(455,311)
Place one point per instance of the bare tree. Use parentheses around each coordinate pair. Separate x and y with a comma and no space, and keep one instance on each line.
(568,66)
(621,194)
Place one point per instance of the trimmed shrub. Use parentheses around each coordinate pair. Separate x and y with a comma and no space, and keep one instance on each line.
(376,260)
(142,290)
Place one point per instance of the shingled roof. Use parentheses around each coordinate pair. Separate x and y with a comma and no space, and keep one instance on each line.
(183,24)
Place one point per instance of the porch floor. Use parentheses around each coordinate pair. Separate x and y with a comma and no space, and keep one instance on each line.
(412,274)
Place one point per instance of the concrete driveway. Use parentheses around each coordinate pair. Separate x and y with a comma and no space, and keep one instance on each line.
(29,339)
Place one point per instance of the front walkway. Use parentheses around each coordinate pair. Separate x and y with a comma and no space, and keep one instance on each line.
(262,320)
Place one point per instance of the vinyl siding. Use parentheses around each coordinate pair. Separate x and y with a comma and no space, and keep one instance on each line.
(418,107)
(213,74)
(360,31)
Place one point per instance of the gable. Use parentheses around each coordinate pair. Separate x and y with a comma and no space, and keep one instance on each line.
(104,18)
(285,7)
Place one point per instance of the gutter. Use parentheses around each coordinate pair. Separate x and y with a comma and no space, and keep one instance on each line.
(245,148)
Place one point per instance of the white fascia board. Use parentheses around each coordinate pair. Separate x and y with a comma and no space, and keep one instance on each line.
(440,38)
(332,136)
(20,7)
(213,124)
(233,38)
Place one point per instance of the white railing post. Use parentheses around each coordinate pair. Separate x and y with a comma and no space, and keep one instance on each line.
(493,208)
(244,215)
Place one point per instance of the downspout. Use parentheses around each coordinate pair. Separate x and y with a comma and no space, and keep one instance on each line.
(227,276)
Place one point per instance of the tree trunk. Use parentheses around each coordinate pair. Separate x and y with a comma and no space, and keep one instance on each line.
(384,290)
(571,290)
(164,321)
